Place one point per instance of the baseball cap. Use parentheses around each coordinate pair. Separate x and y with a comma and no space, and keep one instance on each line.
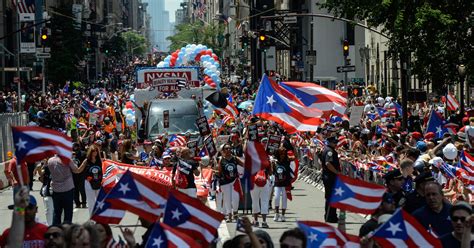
(32,203)
(392,175)
(416,135)
(166,155)
(424,177)
(421,145)
(450,151)
(461,205)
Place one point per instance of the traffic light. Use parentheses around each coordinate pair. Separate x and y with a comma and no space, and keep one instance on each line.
(262,40)
(88,46)
(44,36)
(345,48)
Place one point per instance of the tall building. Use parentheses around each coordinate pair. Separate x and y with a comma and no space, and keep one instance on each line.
(160,24)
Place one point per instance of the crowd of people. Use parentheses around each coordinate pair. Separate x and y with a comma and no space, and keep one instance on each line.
(428,174)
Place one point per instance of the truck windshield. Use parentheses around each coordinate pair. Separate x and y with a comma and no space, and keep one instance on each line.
(178,124)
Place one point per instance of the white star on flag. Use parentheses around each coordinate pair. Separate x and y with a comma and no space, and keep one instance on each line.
(313,237)
(394,228)
(21,144)
(438,130)
(157,242)
(100,204)
(270,100)
(124,188)
(176,214)
(339,191)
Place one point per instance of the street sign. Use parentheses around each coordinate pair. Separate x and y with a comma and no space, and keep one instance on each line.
(14,69)
(43,49)
(16,79)
(290,20)
(43,55)
(347,68)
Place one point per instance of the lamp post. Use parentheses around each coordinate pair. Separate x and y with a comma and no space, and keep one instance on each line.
(462,72)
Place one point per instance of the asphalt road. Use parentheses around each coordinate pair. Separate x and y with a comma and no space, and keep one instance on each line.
(307,204)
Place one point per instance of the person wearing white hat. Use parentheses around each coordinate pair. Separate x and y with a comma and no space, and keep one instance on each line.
(450,152)
(436,163)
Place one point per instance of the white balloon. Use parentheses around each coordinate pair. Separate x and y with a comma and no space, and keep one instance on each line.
(213,68)
(218,73)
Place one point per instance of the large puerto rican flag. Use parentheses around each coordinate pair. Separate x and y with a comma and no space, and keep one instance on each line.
(403,230)
(356,195)
(139,195)
(190,216)
(277,104)
(34,144)
(318,97)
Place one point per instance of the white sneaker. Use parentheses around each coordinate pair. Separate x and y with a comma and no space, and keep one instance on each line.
(277,217)
(282,218)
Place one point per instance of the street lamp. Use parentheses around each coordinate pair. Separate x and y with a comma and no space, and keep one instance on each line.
(462,72)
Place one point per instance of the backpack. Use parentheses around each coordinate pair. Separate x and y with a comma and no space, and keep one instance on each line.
(260,178)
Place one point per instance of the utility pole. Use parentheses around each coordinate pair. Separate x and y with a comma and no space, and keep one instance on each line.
(404,82)
(18,74)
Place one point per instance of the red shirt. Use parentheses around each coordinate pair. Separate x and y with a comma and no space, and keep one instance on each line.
(13,169)
(34,236)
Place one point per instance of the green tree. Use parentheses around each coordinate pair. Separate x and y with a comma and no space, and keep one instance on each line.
(115,46)
(198,33)
(135,44)
(436,35)
(64,42)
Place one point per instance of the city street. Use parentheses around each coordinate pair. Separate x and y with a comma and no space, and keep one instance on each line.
(307,204)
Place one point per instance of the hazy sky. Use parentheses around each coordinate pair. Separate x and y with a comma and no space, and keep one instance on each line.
(172,6)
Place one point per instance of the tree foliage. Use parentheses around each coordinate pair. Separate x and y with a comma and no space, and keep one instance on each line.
(65,55)
(198,33)
(437,34)
(135,43)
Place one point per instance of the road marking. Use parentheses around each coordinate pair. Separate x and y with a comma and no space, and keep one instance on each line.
(223,231)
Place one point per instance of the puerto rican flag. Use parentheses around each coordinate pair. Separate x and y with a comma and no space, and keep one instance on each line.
(105,212)
(229,110)
(33,144)
(164,236)
(403,230)
(320,234)
(90,108)
(356,195)
(278,104)
(318,97)
(256,159)
(467,163)
(451,102)
(139,195)
(177,140)
(190,216)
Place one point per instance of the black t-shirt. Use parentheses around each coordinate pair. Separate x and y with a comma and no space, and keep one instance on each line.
(228,170)
(330,155)
(94,174)
(448,240)
(184,174)
(413,202)
(282,174)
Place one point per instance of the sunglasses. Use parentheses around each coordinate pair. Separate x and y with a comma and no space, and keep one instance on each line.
(226,148)
(456,219)
(53,235)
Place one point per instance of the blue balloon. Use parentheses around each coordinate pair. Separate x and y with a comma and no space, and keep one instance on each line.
(166,64)
(167,59)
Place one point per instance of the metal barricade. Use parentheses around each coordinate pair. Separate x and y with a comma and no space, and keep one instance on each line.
(6,121)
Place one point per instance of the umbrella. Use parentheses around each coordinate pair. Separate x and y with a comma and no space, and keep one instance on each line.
(245,105)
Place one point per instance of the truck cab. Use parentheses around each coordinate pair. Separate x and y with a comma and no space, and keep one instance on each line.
(182,117)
